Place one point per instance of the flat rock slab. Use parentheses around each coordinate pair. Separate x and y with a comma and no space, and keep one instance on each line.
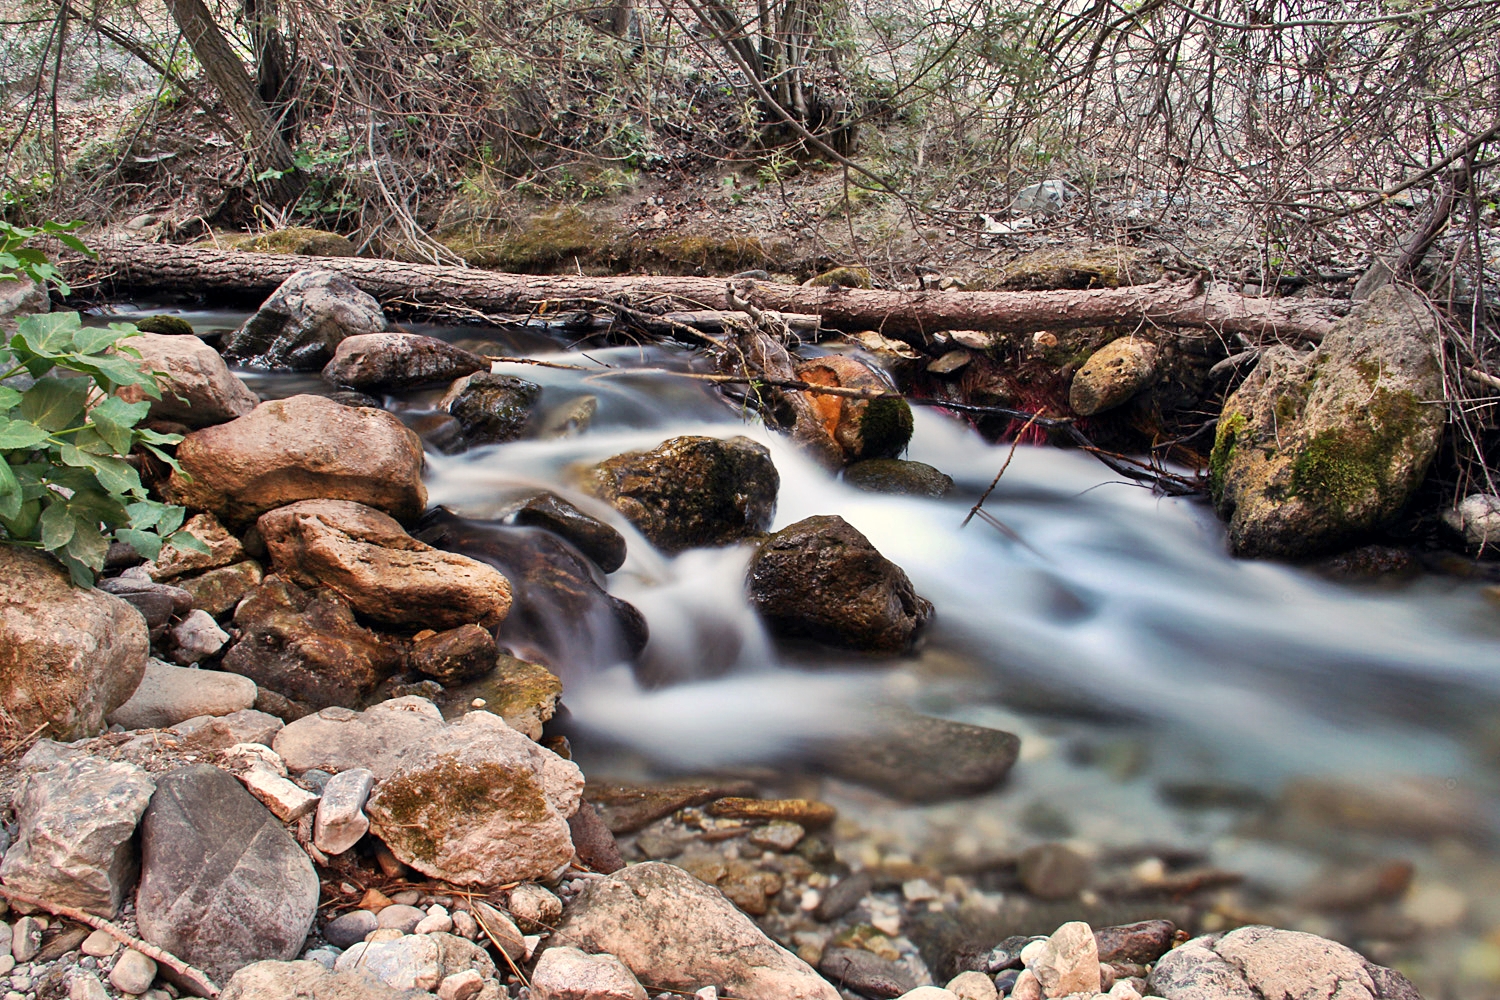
(68,657)
(168,695)
(74,846)
(222,882)
(271,980)
(394,362)
(340,739)
(677,933)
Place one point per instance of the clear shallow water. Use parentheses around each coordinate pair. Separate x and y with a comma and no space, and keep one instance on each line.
(1109,629)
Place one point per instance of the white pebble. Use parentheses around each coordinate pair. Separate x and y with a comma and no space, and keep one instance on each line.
(99,944)
(437,923)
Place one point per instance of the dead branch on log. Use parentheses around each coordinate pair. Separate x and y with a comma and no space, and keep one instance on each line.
(432,289)
(192,978)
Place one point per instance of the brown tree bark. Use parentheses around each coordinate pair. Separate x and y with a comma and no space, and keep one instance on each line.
(429,289)
(221,64)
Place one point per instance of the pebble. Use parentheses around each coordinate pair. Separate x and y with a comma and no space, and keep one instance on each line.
(1027,987)
(133,973)
(99,945)
(778,835)
(464,925)
(1067,962)
(6,964)
(86,986)
(1053,871)
(26,939)
(341,819)
(326,957)
(434,923)
(402,916)
(407,897)
(460,985)
(350,928)
(972,986)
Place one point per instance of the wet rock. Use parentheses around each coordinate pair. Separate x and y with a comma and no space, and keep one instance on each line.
(524,694)
(68,656)
(593,841)
(1384,563)
(395,362)
(168,695)
(536,910)
(197,389)
(690,491)
(1140,943)
(1053,871)
(844,896)
(158,603)
(303,322)
(865,972)
(569,974)
(822,578)
(76,820)
(349,928)
(300,448)
(280,980)
(219,590)
(1404,807)
(306,645)
(898,477)
(1477,520)
(568,419)
(223,549)
(491,408)
(804,812)
(205,732)
(1113,375)
(1067,962)
(368,559)
(862,428)
(222,883)
(1314,450)
(341,819)
(478,803)
(919,758)
(339,739)
(456,655)
(598,541)
(1255,962)
(626,808)
(674,932)
(196,638)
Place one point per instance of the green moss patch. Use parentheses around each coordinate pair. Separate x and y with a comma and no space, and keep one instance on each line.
(1349,468)
(1225,437)
(294,240)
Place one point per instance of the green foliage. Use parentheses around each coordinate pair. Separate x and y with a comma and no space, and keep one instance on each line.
(65,483)
(17,259)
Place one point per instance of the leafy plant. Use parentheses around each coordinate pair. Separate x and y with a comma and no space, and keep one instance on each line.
(66,484)
(16,258)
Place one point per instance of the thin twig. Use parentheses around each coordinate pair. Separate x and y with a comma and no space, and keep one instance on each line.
(996,481)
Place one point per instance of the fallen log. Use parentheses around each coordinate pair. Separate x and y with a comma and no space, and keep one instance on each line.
(432,290)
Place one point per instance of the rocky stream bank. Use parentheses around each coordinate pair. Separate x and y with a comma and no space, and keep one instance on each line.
(311,760)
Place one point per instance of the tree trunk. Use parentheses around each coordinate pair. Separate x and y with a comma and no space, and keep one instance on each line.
(237,90)
(431,290)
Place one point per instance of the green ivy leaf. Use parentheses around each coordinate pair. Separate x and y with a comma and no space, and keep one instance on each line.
(46,334)
(10,492)
(8,397)
(147,543)
(171,519)
(55,403)
(58,525)
(94,339)
(114,418)
(115,372)
(145,513)
(89,546)
(185,541)
(19,434)
(79,571)
(115,475)
(23,525)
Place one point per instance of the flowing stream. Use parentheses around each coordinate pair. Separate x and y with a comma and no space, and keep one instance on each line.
(1157,684)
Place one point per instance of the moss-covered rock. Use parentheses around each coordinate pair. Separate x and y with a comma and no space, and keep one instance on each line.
(690,491)
(899,477)
(842,277)
(1315,450)
(522,693)
(298,240)
(1104,267)
(172,326)
(545,241)
(862,428)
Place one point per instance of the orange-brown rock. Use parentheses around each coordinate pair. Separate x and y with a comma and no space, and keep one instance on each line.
(804,812)
(863,428)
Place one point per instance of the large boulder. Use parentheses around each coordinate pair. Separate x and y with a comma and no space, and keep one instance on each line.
(1257,962)
(477,803)
(340,739)
(168,695)
(862,428)
(300,448)
(197,387)
(1315,450)
(490,408)
(678,933)
(68,657)
(222,883)
(368,558)
(307,646)
(77,820)
(303,322)
(822,578)
(690,491)
(394,362)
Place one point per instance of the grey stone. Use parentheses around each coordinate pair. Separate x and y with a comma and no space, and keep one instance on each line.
(197,387)
(341,819)
(350,928)
(222,883)
(1256,962)
(74,844)
(675,932)
(303,322)
(399,917)
(565,973)
(168,695)
(86,986)
(197,637)
(395,362)
(271,980)
(338,739)
(844,895)
(921,758)
(68,656)
(865,972)
(207,732)
(133,973)
(21,297)
(25,939)
(157,602)
(415,961)
(1053,871)
(1477,520)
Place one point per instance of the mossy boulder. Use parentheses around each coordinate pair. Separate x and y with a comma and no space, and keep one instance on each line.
(522,693)
(690,491)
(1316,450)
(898,477)
(842,277)
(298,240)
(862,428)
(171,326)
(491,408)
(1107,267)
(542,243)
